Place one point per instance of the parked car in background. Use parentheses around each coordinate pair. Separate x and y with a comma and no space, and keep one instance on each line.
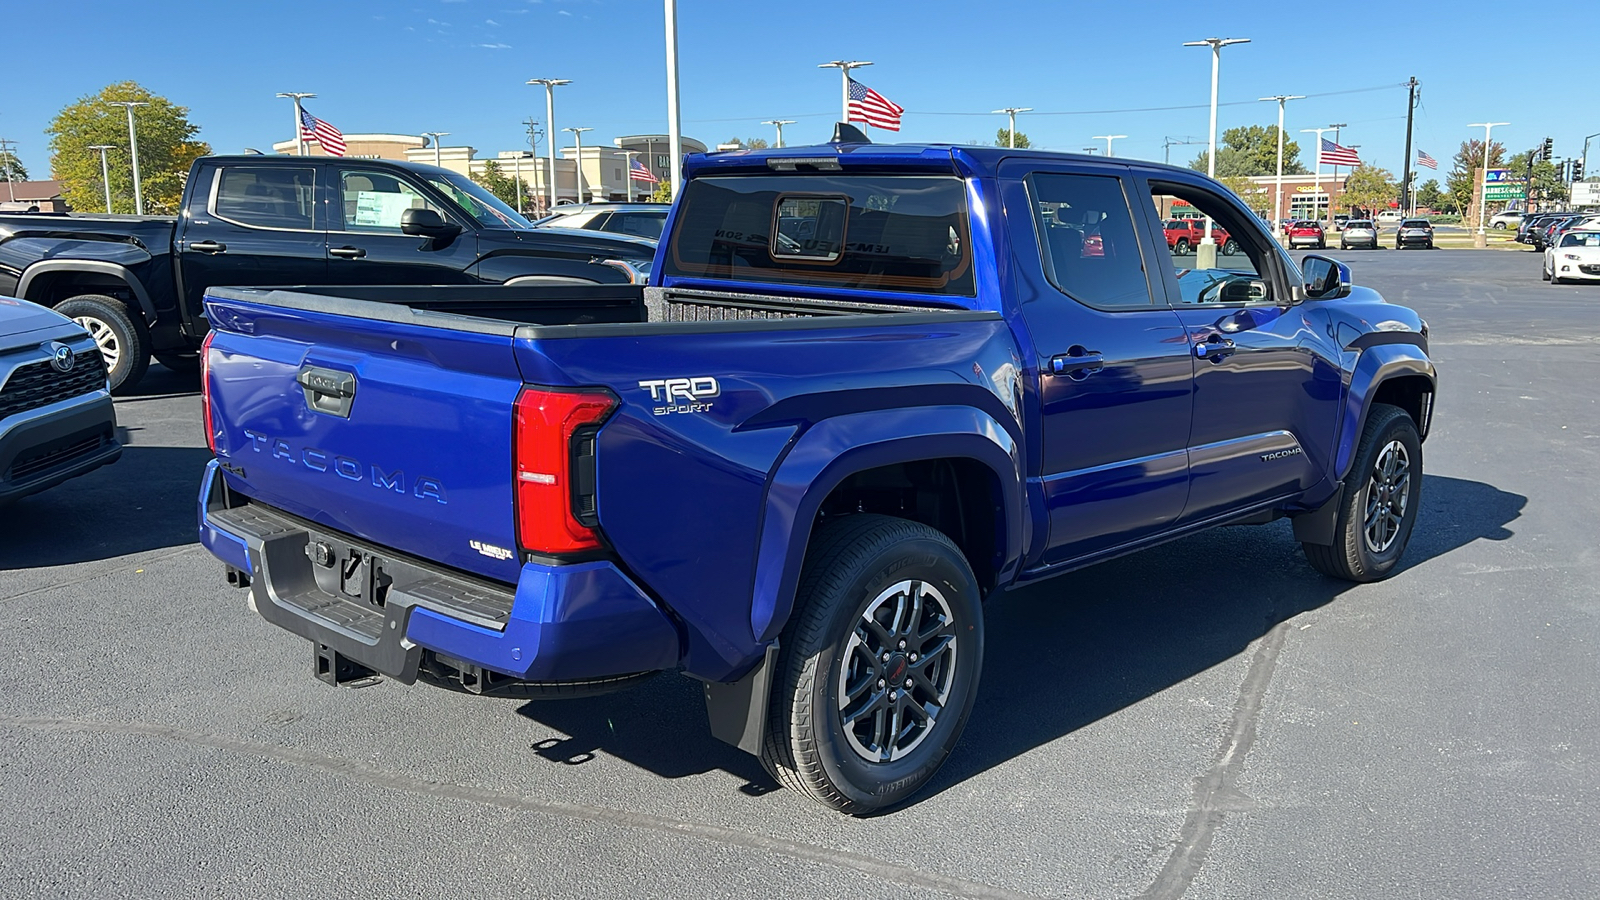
(1414,233)
(1183,235)
(1341,221)
(1575,256)
(1359,233)
(1551,229)
(56,417)
(1528,228)
(1388,217)
(136,283)
(1508,219)
(1307,233)
(637,219)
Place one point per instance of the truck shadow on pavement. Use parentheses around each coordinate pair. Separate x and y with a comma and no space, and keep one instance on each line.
(1062,654)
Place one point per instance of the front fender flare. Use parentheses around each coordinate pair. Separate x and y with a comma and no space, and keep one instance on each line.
(838,447)
(1376,365)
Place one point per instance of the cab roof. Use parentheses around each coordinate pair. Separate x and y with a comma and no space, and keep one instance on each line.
(965,159)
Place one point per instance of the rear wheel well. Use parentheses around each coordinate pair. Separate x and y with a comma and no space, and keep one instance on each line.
(1412,393)
(51,288)
(958,496)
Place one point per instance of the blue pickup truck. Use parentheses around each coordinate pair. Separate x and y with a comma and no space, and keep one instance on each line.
(866,388)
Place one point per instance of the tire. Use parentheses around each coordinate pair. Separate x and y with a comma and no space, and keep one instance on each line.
(178,361)
(1322,245)
(857,567)
(1544,274)
(124,340)
(1366,548)
(1498,226)
(1181,247)
(1557,279)
(1230,248)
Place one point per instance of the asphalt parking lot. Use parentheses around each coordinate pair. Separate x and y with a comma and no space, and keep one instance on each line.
(1208,719)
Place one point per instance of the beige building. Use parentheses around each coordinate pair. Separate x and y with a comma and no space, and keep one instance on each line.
(20,196)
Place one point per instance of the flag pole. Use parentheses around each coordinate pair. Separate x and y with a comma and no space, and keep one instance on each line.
(674,115)
(299,136)
(844,66)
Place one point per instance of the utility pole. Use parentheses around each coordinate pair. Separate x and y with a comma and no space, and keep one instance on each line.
(1167,143)
(5,151)
(533,133)
(1406,202)
(779,123)
(1277,202)
(1318,132)
(550,85)
(844,67)
(1091,150)
(1481,238)
(674,112)
(133,151)
(1108,138)
(1206,256)
(299,135)
(105,171)
(577,138)
(1012,111)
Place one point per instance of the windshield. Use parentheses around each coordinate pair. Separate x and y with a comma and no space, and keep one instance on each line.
(1358,223)
(1581,239)
(1414,223)
(481,205)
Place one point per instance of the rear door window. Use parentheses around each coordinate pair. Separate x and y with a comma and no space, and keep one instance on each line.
(871,232)
(266,196)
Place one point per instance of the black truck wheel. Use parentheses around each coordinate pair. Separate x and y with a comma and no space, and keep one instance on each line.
(1381,498)
(1181,248)
(124,340)
(879,664)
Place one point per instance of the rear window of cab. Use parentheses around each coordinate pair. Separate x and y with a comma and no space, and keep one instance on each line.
(906,233)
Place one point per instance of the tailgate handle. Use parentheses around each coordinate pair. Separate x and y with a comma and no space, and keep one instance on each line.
(328,390)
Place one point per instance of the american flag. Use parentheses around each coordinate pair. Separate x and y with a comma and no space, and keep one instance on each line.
(638,172)
(314,129)
(873,108)
(1334,155)
(1424,159)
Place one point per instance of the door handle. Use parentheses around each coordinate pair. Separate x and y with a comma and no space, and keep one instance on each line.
(1214,348)
(208,247)
(347,252)
(1077,363)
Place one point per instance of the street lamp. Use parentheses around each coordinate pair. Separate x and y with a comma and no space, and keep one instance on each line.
(1108,138)
(1206,256)
(1277,203)
(844,67)
(1481,239)
(133,151)
(299,133)
(105,170)
(1012,111)
(436,135)
(1091,150)
(577,138)
(779,123)
(1585,156)
(550,85)
(1318,132)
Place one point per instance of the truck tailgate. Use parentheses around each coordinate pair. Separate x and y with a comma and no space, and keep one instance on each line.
(395,429)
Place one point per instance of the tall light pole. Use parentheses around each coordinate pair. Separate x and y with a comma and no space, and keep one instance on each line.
(550,85)
(674,114)
(1481,239)
(6,153)
(1011,112)
(299,136)
(1318,132)
(437,159)
(844,66)
(1206,256)
(133,151)
(105,170)
(577,138)
(779,123)
(1277,203)
(1108,138)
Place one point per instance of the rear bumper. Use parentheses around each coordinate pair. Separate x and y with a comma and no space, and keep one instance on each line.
(558,623)
(46,446)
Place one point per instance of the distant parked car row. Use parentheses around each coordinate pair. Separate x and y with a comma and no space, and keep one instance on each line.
(1541,230)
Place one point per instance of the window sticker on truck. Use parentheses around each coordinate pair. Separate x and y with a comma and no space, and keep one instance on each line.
(682,395)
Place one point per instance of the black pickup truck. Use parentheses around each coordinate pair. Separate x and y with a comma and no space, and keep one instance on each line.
(136,283)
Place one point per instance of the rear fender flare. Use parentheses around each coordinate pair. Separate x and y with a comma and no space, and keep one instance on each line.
(828,453)
(1377,364)
(96,266)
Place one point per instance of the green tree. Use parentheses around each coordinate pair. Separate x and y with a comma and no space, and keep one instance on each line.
(1252,150)
(752,143)
(11,168)
(662,193)
(1545,185)
(166,148)
(1430,196)
(1467,169)
(497,182)
(1370,187)
(1002,138)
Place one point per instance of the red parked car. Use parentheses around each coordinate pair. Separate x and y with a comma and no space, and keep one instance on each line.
(1307,233)
(1183,235)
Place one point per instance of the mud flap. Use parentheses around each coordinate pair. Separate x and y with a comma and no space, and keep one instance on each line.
(737,710)
(1319,526)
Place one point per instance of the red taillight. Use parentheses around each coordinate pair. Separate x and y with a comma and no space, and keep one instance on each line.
(554,475)
(205,391)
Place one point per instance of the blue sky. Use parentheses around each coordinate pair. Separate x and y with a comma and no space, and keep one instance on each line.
(460,65)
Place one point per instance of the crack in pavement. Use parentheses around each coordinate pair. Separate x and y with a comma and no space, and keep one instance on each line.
(427,788)
(101,571)
(1216,792)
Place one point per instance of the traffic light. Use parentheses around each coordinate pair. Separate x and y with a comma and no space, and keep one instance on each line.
(1549,150)
(1577,169)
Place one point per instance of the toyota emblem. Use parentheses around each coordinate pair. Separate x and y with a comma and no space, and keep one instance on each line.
(62,359)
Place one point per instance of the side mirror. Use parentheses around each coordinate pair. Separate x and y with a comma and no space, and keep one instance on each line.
(1325,279)
(425,223)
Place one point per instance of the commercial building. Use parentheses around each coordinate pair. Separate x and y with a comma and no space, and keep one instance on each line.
(1304,196)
